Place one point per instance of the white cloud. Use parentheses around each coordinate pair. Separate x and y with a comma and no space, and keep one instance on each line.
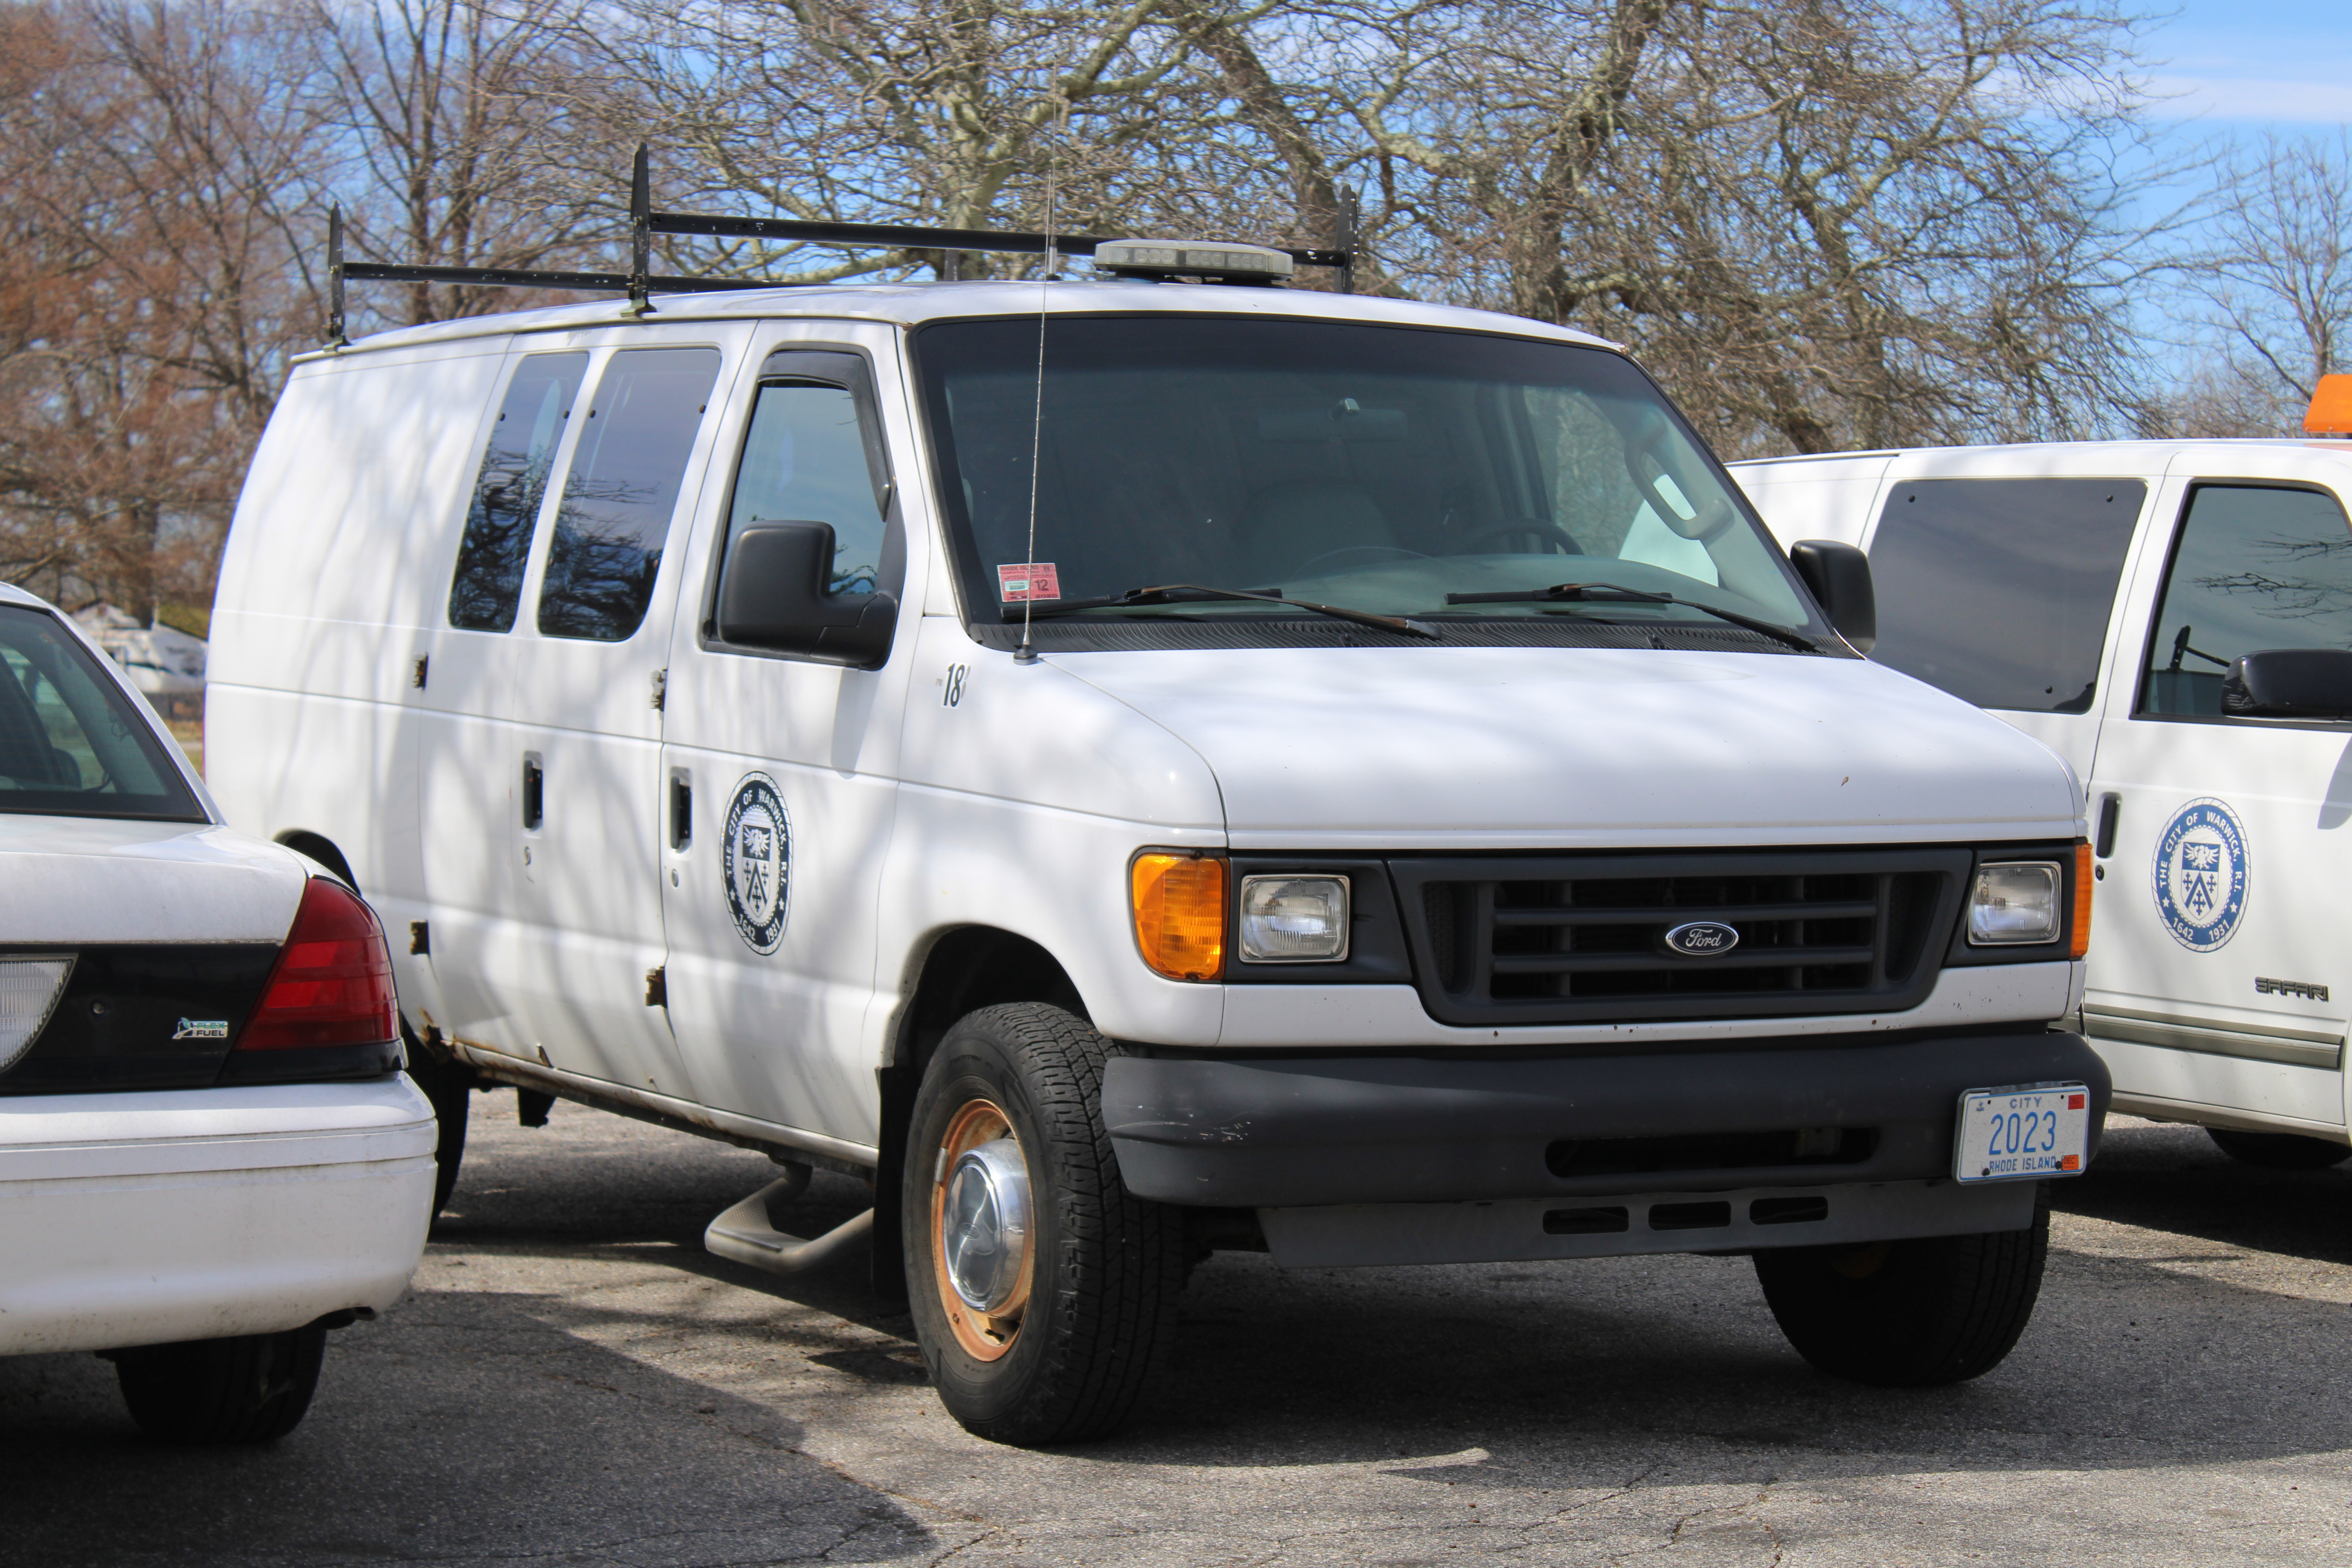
(2236,96)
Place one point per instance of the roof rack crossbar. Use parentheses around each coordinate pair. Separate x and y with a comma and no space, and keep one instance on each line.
(640,284)
(908,237)
(521,278)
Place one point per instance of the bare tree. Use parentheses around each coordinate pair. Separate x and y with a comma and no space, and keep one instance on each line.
(2273,296)
(154,165)
(461,124)
(956,115)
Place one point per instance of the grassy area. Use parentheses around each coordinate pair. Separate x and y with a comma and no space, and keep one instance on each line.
(190,734)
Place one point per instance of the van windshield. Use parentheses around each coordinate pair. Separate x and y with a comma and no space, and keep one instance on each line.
(1396,470)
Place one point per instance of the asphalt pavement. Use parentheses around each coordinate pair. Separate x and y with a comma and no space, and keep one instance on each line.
(574,1380)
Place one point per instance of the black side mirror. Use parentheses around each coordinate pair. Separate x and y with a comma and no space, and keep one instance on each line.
(1839,577)
(2290,683)
(772,594)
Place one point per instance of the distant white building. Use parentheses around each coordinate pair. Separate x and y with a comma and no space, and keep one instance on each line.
(165,665)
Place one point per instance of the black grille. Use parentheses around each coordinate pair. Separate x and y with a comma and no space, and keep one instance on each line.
(1581,939)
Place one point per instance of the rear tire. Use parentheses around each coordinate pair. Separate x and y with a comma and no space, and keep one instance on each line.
(449,1085)
(1909,1314)
(2279,1151)
(1083,1314)
(251,1389)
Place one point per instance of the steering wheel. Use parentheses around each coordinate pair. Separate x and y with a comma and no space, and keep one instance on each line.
(1369,552)
(1522,528)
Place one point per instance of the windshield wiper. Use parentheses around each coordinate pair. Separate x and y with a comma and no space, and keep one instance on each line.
(1179,593)
(1605,592)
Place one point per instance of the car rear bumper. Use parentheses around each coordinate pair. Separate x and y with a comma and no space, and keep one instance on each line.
(1431,1128)
(150,1218)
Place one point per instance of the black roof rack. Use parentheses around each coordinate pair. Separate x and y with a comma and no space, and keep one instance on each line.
(639,283)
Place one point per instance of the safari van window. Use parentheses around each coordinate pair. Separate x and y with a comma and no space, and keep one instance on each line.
(487,583)
(625,474)
(70,743)
(1383,468)
(805,460)
(1998,591)
(2255,567)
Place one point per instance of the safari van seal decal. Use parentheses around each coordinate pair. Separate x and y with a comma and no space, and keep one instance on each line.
(755,862)
(2201,874)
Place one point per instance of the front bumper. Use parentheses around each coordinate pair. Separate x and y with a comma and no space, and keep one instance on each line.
(1293,1131)
(150,1218)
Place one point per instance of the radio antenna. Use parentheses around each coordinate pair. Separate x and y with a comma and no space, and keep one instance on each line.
(1025,653)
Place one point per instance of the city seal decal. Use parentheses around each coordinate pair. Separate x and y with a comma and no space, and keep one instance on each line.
(755,862)
(2201,874)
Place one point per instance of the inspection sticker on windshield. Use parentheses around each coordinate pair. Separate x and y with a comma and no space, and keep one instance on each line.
(1031,580)
(2023,1133)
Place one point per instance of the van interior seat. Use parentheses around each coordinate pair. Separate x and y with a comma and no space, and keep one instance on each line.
(1294,523)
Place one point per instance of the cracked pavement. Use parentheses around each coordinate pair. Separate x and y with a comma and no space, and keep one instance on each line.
(574,1380)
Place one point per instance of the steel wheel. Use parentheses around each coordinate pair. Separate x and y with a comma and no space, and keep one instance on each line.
(982,1229)
(1043,1293)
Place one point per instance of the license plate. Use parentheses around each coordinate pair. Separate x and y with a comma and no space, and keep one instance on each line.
(2024,1133)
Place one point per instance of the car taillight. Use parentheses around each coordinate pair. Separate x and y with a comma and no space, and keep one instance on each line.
(332,984)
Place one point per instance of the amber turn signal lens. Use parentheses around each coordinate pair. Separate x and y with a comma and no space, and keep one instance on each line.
(1179,914)
(2080,943)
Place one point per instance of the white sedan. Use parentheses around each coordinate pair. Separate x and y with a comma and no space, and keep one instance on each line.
(209,1156)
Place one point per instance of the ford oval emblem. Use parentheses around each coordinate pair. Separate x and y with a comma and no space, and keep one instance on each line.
(1702,939)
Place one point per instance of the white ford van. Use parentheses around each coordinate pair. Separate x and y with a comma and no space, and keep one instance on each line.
(1136,767)
(2173,619)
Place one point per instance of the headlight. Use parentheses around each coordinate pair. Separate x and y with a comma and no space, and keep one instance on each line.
(2014,902)
(1294,919)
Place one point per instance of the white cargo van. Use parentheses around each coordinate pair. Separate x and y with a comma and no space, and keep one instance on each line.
(1136,767)
(2173,617)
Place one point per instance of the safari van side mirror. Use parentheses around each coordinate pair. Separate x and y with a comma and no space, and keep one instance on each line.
(1839,577)
(772,596)
(2290,683)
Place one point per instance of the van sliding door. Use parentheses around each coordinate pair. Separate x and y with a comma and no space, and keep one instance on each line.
(582,770)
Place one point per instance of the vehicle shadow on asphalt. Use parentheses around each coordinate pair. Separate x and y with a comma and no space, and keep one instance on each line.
(474,1431)
(1555,1372)
(2174,1178)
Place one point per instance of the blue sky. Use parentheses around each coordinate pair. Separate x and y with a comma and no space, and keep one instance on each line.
(2236,66)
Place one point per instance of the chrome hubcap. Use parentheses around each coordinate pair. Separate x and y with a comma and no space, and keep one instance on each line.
(984,1228)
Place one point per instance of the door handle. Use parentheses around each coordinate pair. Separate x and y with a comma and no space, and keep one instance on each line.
(2111,807)
(681,810)
(534,791)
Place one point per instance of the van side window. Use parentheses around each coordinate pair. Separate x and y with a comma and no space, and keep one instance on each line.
(805,460)
(487,585)
(2254,568)
(1998,591)
(623,487)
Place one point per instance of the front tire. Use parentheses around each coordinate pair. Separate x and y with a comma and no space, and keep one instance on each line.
(1909,1314)
(1044,1294)
(251,1389)
(2279,1151)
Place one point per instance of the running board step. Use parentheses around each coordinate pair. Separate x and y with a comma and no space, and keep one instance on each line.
(743,1233)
